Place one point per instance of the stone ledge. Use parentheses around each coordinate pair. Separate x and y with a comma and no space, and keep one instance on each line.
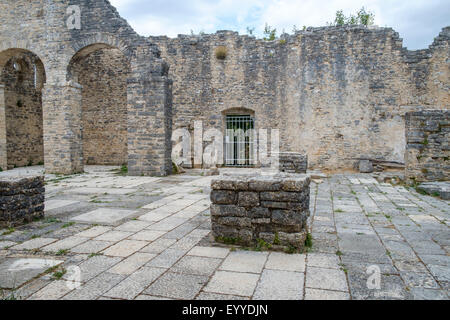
(277,182)
(441,189)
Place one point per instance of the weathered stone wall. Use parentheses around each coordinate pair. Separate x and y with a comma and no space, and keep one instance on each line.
(21,200)
(45,29)
(103,75)
(335,93)
(23,112)
(246,210)
(428,145)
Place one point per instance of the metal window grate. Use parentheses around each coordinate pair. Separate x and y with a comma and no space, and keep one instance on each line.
(239,141)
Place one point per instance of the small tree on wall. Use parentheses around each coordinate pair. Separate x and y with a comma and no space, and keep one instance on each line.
(340,18)
(362,17)
(270,33)
(366,18)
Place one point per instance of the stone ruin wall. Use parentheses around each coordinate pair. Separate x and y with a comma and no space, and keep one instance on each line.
(41,27)
(23,112)
(103,75)
(335,93)
(428,149)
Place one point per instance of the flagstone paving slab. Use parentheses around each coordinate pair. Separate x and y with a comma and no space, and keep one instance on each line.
(30,288)
(280,285)
(211,252)
(95,287)
(167,224)
(144,233)
(158,245)
(196,265)
(56,204)
(281,261)
(167,258)
(245,261)
(91,246)
(16,271)
(7,244)
(34,244)
(318,294)
(232,283)
(186,243)
(107,216)
(155,216)
(133,226)
(91,190)
(132,263)
(329,279)
(428,294)
(422,280)
(94,232)
(181,231)
(95,266)
(219,297)
(114,236)
(135,284)
(125,248)
(54,290)
(323,260)
(147,235)
(146,297)
(64,244)
(177,286)
(441,273)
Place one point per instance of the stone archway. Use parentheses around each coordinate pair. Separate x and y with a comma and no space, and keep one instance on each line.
(102,72)
(22,77)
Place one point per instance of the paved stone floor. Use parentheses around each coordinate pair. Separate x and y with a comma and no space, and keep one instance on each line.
(107,236)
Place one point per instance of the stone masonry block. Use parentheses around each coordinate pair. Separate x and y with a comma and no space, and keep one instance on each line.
(283,196)
(223,197)
(235,221)
(248,199)
(227,211)
(288,217)
(259,212)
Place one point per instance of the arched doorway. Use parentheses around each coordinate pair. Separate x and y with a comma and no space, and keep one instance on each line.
(21,81)
(102,71)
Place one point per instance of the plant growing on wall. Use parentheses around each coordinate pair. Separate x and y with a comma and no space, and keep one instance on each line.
(340,19)
(362,17)
(366,18)
(269,33)
(221,53)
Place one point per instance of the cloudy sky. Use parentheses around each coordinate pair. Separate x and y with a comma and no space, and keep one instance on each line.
(417,21)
